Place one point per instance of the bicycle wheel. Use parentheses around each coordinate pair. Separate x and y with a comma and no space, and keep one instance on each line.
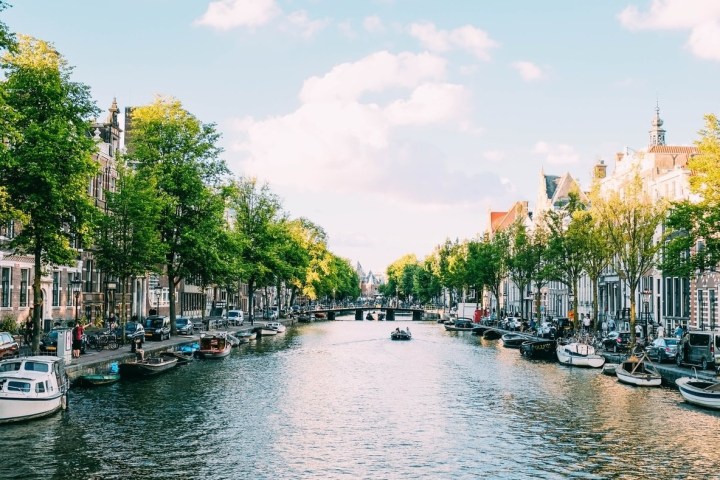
(113,344)
(99,345)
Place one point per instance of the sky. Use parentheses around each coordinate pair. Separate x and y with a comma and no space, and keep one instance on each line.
(397,124)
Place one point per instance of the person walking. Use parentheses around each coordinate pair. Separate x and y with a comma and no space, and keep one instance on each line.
(679,331)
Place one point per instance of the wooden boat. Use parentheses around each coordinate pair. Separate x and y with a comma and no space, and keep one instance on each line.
(400,335)
(277,326)
(148,367)
(97,379)
(539,349)
(214,346)
(32,387)
(579,355)
(460,325)
(492,334)
(514,340)
(182,357)
(705,393)
(639,372)
(480,329)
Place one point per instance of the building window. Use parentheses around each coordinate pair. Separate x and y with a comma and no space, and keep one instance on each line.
(56,289)
(700,310)
(711,304)
(24,281)
(5,284)
(89,276)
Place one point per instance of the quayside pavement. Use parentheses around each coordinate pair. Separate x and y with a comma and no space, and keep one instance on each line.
(93,361)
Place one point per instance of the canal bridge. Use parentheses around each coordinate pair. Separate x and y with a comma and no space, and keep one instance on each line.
(390,312)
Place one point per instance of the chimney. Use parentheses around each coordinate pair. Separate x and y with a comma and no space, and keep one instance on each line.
(600,170)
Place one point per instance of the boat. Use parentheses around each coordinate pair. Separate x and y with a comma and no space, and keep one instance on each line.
(277,326)
(32,387)
(147,367)
(610,369)
(191,349)
(492,334)
(540,348)
(705,393)
(480,329)
(97,379)
(579,355)
(182,357)
(460,325)
(214,345)
(303,318)
(639,372)
(236,341)
(400,335)
(514,340)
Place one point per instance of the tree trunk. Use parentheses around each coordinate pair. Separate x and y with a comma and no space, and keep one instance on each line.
(251,301)
(37,303)
(172,283)
(594,286)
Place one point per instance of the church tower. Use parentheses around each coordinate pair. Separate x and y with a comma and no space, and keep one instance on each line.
(657,133)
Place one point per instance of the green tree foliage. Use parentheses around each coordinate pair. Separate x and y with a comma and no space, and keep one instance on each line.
(47,163)
(400,276)
(181,154)
(426,285)
(522,259)
(127,242)
(630,219)
(491,255)
(694,226)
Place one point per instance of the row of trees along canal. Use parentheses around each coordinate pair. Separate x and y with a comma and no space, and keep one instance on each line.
(175,211)
(626,229)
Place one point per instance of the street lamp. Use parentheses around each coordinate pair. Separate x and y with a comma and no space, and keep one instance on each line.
(76,283)
(157,289)
(646,294)
(111,287)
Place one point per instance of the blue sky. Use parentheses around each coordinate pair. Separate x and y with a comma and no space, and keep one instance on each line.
(395,124)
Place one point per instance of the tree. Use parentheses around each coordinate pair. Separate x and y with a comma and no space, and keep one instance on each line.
(257,214)
(180,153)
(596,252)
(48,162)
(426,285)
(493,256)
(127,242)
(629,219)
(521,260)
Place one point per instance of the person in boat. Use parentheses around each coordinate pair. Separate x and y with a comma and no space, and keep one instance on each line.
(397,330)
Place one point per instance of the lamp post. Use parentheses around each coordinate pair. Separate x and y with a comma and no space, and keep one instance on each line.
(76,283)
(111,287)
(157,289)
(646,295)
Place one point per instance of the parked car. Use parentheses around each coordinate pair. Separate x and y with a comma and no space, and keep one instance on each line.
(698,348)
(48,343)
(157,327)
(617,341)
(8,346)
(235,317)
(133,330)
(184,326)
(270,314)
(662,349)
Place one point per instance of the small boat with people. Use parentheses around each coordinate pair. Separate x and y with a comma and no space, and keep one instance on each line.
(705,393)
(579,355)
(399,334)
(539,348)
(147,367)
(214,345)
(639,372)
(112,375)
(32,387)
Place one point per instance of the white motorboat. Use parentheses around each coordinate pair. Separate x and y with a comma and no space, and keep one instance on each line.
(277,326)
(32,387)
(705,393)
(579,355)
(638,372)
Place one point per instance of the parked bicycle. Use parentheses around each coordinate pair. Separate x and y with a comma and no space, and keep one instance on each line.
(102,340)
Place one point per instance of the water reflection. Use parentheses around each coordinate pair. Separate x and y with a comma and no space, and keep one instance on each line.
(340,400)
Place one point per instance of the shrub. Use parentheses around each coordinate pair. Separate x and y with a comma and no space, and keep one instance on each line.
(9,324)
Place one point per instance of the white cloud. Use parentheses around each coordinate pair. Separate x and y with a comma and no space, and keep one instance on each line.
(468,38)
(700,17)
(347,29)
(494,156)
(308,27)
(228,14)
(337,140)
(373,24)
(557,153)
(528,71)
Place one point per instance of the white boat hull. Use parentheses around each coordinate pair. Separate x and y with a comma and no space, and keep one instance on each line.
(703,393)
(19,409)
(31,387)
(639,380)
(579,355)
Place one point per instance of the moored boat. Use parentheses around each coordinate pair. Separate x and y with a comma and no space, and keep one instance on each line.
(579,355)
(639,372)
(610,369)
(277,326)
(147,367)
(182,357)
(492,334)
(460,325)
(214,345)
(514,340)
(704,393)
(98,379)
(540,348)
(32,387)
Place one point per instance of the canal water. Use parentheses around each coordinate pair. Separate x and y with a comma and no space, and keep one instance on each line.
(340,400)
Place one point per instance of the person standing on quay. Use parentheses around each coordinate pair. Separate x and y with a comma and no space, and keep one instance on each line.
(77,333)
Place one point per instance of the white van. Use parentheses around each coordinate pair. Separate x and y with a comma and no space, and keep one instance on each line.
(235,317)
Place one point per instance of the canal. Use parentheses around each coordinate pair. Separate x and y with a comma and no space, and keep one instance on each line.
(340,400)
